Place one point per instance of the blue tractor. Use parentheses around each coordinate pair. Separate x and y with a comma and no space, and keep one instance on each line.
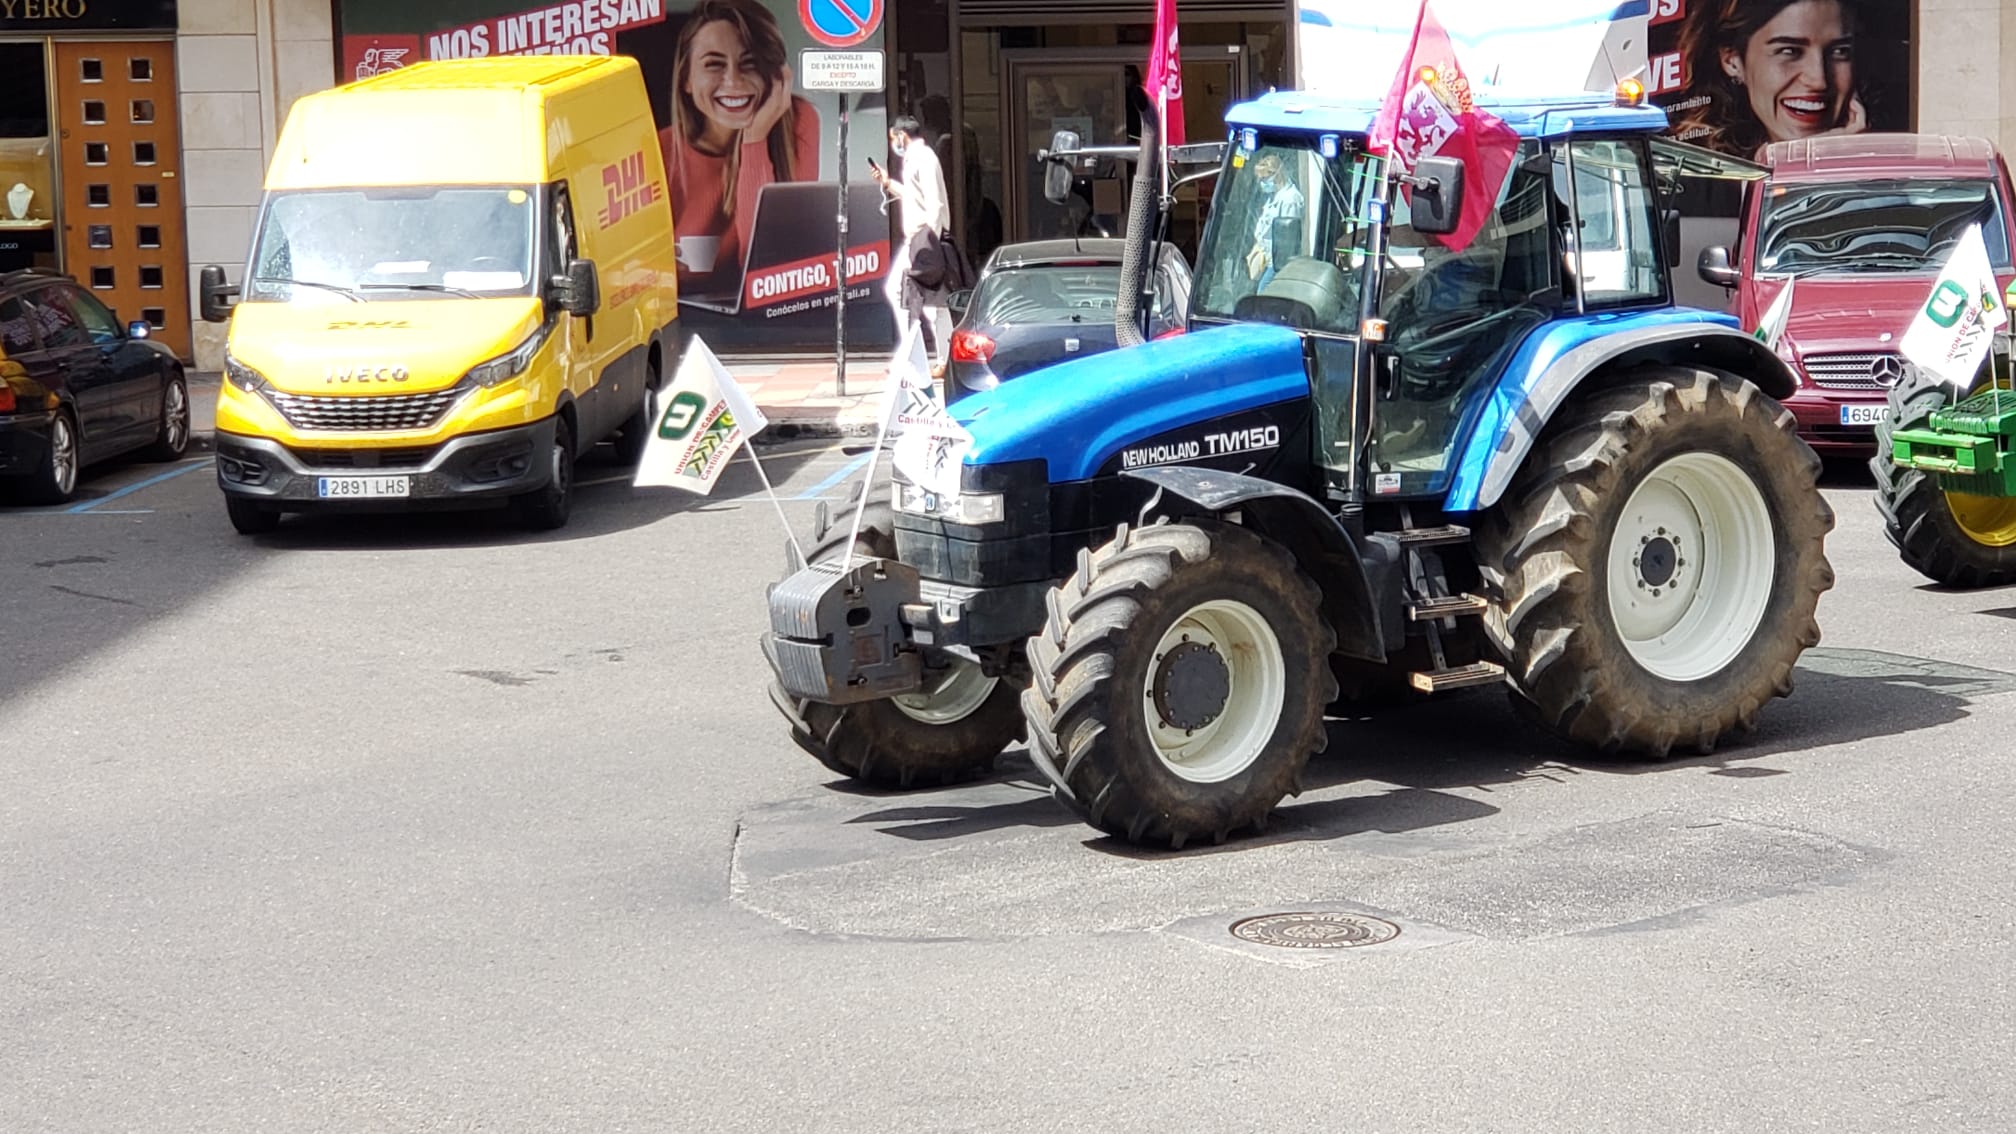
(1373,466)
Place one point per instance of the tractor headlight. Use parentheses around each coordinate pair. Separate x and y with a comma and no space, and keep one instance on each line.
(959,508)
(505,367)
(242,376)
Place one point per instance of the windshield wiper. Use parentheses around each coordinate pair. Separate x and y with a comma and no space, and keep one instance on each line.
(342,291)
(463,292)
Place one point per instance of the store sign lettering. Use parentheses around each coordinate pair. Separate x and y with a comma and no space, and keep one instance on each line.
(43,9)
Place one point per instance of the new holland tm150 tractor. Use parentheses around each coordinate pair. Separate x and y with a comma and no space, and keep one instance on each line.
(1373,466)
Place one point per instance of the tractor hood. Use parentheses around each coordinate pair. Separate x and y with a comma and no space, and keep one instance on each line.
(1077,414)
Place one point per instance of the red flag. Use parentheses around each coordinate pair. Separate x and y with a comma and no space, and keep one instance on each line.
(1428,112)
(1165,73)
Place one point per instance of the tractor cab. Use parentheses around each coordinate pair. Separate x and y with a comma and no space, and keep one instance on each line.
(1295,238)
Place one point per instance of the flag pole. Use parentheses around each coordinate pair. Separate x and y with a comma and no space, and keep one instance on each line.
(749,446)
(867,487)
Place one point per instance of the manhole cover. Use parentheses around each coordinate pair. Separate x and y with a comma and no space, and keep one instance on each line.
(1315,930)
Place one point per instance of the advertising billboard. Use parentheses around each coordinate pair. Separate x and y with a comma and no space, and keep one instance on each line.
(1736,75)
(751,154)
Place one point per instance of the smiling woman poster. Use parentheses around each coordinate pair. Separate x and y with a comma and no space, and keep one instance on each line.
(1736,75)
(751,157)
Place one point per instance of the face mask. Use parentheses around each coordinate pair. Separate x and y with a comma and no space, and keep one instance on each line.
(896,146)
(1266,185)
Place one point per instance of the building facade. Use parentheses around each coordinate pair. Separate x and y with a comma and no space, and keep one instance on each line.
(134,134)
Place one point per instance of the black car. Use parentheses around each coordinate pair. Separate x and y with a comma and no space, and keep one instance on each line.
(76,388)
(1047,301)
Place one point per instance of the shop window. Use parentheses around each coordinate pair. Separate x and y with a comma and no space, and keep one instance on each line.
(101,236)
(98,196)
(156,317)
(103,278)
(150,236)
(141,70)
(143,110)
(94,112)
(91,70)
(146,196)
(150,277)
(97,153)
(143,153)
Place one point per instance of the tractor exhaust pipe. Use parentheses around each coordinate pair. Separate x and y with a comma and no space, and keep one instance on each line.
(1136,258)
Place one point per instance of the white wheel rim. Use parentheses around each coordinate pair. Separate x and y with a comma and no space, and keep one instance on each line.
(1256,689)
(1691,567)
(63,455)
(958,695)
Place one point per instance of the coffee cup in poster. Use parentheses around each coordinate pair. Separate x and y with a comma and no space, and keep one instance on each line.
(1737,75)
(751,158)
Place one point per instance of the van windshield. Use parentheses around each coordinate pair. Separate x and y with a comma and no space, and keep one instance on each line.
(364,245)
(1876,226)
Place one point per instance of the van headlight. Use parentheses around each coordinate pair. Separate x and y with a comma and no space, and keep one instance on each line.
(505,367)
(241,375)
(958,508)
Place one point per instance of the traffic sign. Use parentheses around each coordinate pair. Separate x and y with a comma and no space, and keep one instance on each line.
(840,70)
(841,23)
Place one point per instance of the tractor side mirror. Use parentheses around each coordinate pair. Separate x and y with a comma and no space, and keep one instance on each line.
(1057,169)
(1438,195)
(214,297)
(1715,268)
(578,291)
(1670,218)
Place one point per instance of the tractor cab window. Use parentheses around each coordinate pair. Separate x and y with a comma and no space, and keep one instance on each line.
(1615,204)
(1276,248)
(1453,316)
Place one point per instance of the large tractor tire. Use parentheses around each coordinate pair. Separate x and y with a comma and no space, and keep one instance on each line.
(950,733)
(1180,682)
(1653,570)
(1951,538)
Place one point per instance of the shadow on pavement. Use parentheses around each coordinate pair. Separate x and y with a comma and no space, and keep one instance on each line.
(1474,742)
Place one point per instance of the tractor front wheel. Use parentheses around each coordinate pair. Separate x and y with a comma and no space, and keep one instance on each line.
(1951,538)
(1655,568)
(950,731)
(1180,681)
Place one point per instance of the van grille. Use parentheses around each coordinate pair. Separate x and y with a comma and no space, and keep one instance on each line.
(364,414)
(1858,371)
(363,458)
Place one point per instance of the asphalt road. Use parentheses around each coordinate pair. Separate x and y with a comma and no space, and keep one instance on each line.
(427,824)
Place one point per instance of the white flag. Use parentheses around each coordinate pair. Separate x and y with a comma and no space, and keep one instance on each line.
(909,395)
(1771,328)
(703,417)
(1954,330)
(930,451)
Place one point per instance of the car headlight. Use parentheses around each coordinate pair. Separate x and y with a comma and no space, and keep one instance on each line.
(958,508)
(243,376)
(505,367)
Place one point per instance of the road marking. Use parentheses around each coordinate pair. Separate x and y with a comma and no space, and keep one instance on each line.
(625,477)
(151,481)
(841,474)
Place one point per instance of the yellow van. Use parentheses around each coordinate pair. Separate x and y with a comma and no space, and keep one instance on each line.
(462,278)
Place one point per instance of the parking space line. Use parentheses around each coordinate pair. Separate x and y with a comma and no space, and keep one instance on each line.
(841,474)
(151,481)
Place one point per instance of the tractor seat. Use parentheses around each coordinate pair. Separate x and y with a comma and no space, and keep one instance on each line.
(1305,292)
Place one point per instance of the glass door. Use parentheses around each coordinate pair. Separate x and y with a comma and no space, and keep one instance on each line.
(1085,93)
(27,159)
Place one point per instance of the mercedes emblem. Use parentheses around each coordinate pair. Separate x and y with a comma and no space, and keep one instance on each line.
(1886,371)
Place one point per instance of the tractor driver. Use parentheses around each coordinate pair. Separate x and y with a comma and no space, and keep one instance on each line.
(1277,219)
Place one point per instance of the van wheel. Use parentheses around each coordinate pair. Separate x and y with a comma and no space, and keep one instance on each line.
(547,509)
(250,518)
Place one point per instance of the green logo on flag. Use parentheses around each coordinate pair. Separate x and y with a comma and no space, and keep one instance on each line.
(703,449)
(680,414)
(1948,300)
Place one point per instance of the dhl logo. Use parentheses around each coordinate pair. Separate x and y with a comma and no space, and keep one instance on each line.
(626,190)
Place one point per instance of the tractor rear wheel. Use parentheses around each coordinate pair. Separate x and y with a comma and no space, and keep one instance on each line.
(1180,681)
(950,732)
(1654,568)
(1951,538)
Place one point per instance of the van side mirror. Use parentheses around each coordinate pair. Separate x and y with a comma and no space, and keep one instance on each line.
(578,291)
(1715,267)
(1057,169)
(214,296)
(1438,196)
